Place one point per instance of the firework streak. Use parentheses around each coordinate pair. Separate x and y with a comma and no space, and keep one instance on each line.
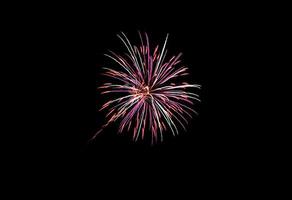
(150,98)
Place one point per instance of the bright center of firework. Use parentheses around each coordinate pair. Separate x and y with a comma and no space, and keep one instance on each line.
(145,91)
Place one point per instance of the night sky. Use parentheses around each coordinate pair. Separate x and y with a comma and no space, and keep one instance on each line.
(218,47)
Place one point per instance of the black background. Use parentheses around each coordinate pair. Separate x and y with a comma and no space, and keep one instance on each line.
(219,46)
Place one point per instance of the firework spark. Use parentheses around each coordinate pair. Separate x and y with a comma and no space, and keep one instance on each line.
(151,99)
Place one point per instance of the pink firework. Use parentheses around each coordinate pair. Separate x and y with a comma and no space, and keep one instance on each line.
(150,98)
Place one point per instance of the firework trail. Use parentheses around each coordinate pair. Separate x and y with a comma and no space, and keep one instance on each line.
(151,100)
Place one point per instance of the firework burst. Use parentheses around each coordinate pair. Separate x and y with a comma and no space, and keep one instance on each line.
(150,97)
